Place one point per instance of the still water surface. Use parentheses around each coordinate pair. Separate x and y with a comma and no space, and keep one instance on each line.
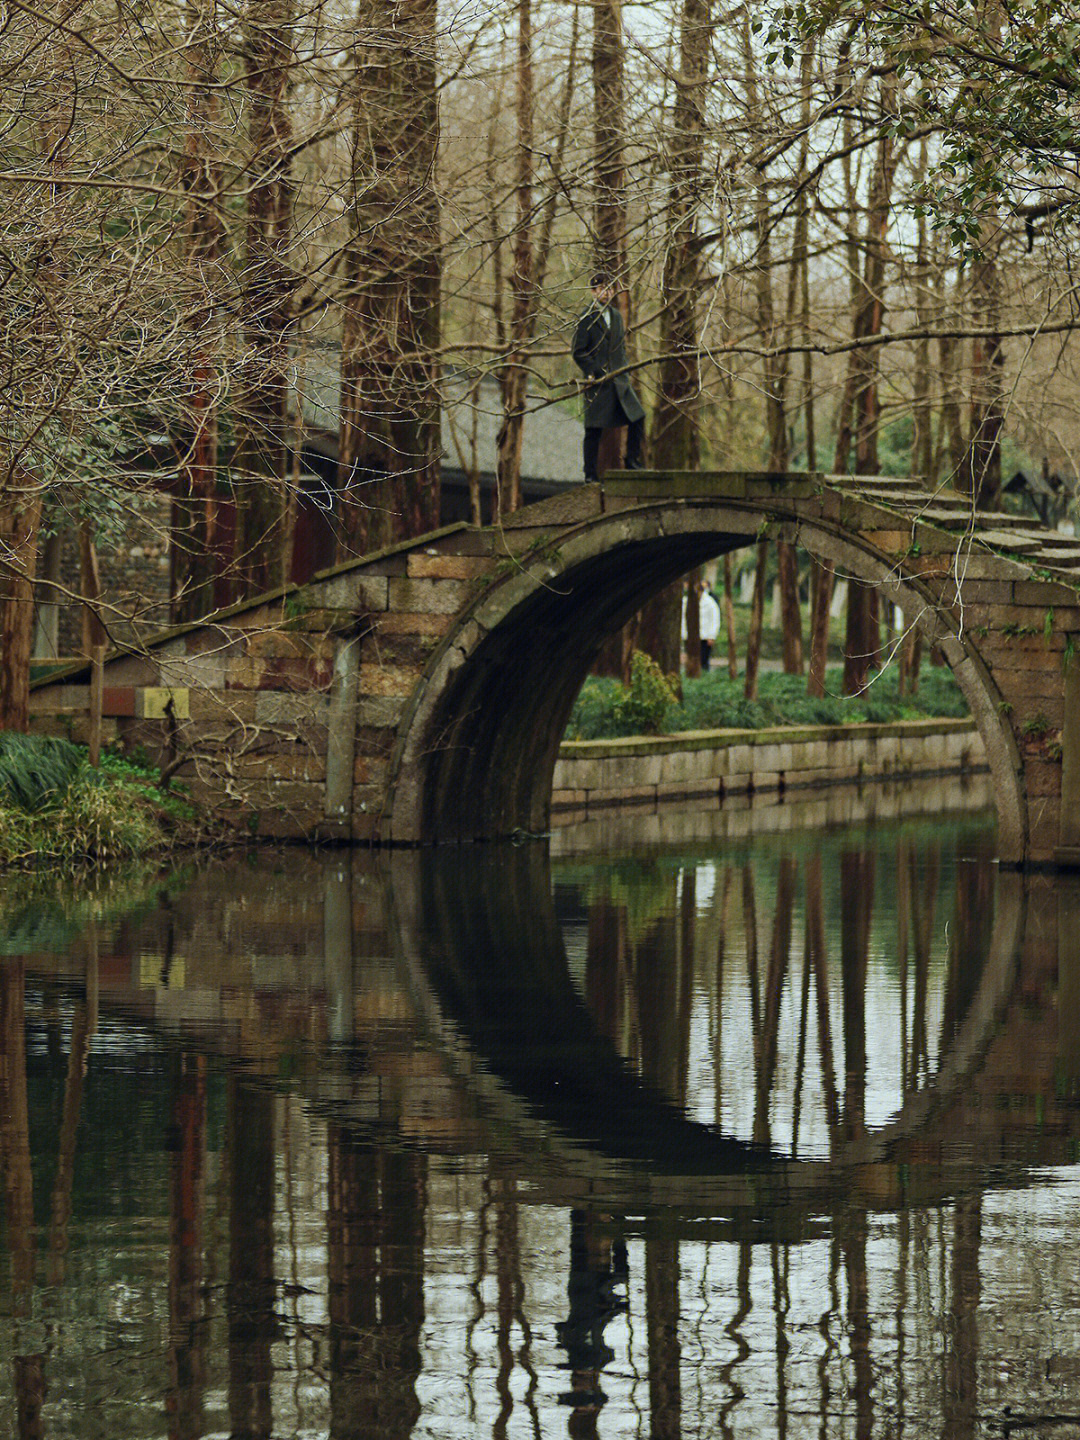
(770,1132)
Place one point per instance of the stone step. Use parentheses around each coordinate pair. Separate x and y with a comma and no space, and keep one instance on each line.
(1003,540)
(1001,519)
(1051,540)
(901,487)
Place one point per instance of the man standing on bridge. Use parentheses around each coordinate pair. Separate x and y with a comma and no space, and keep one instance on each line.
(610,399)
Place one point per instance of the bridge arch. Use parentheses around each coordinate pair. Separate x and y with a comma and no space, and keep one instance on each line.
(478,742)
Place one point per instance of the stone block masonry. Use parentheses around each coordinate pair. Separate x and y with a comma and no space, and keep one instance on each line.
(592,774)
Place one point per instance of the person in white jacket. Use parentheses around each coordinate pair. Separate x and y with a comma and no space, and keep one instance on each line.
(708,622)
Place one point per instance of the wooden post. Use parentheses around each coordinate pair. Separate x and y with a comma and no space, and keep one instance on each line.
(97,679)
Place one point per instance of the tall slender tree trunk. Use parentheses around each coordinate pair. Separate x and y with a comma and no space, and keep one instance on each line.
(529,259)
(922,434)
(262,464)
(729,620)
(389,446)
(757,620)
(862,420)
(820,603)
(675,440)
(787,559)
(195,538)
(609,87)
(514,376)
(775,379)
(20,522)
(950,446)
(982,464)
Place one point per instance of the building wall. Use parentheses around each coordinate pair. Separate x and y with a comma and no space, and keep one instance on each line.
(134,567)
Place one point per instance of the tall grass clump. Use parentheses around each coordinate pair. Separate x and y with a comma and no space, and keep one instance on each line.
(56,808)
(36,771)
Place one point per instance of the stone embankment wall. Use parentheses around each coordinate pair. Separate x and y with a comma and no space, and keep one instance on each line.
(719,763)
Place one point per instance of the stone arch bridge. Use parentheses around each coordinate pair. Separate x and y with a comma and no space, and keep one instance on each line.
(419,694)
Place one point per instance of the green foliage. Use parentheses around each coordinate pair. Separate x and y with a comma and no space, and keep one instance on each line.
(1002,97)
(714,701)
(35,771)
(640,708)
(65,811)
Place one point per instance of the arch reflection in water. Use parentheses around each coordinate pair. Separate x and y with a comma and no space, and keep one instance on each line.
(318,1178)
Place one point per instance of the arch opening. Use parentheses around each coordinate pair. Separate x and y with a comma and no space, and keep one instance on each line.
(477,750)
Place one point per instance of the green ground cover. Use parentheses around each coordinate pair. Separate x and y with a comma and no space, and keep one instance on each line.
(714,701)
(56,808)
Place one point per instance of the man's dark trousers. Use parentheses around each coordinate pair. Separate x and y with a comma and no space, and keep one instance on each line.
(635,445)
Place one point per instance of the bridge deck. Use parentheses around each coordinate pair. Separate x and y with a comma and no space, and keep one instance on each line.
(944,509)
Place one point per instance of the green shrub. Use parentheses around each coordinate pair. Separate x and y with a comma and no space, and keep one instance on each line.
(716,702)
(640,708)
(62,815)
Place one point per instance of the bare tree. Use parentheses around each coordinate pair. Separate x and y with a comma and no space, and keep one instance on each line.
(389,444)
(261,465)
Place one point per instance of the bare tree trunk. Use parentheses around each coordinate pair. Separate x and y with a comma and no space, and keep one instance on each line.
(982,466)
(798,286)
(20,521)
(922,436)
(729,619)
(821,600)
(950,448)
(675,441)
(195,539)
(802,256)
(261,475)
(609,85)
(787,565)
(693,625)
(910,662)
(530,262)
(823,590)
(388,468)
(862,642)
(775,386)
(513,376)
(757,616)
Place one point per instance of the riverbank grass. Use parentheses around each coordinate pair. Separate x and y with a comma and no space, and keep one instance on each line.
(57,808)
(716,702)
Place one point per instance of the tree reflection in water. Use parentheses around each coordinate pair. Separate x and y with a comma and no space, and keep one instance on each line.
(736,1143)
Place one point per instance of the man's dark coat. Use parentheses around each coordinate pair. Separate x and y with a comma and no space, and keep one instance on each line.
(600,348)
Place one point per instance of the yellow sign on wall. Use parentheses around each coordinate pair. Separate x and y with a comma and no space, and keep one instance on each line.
(152,702)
